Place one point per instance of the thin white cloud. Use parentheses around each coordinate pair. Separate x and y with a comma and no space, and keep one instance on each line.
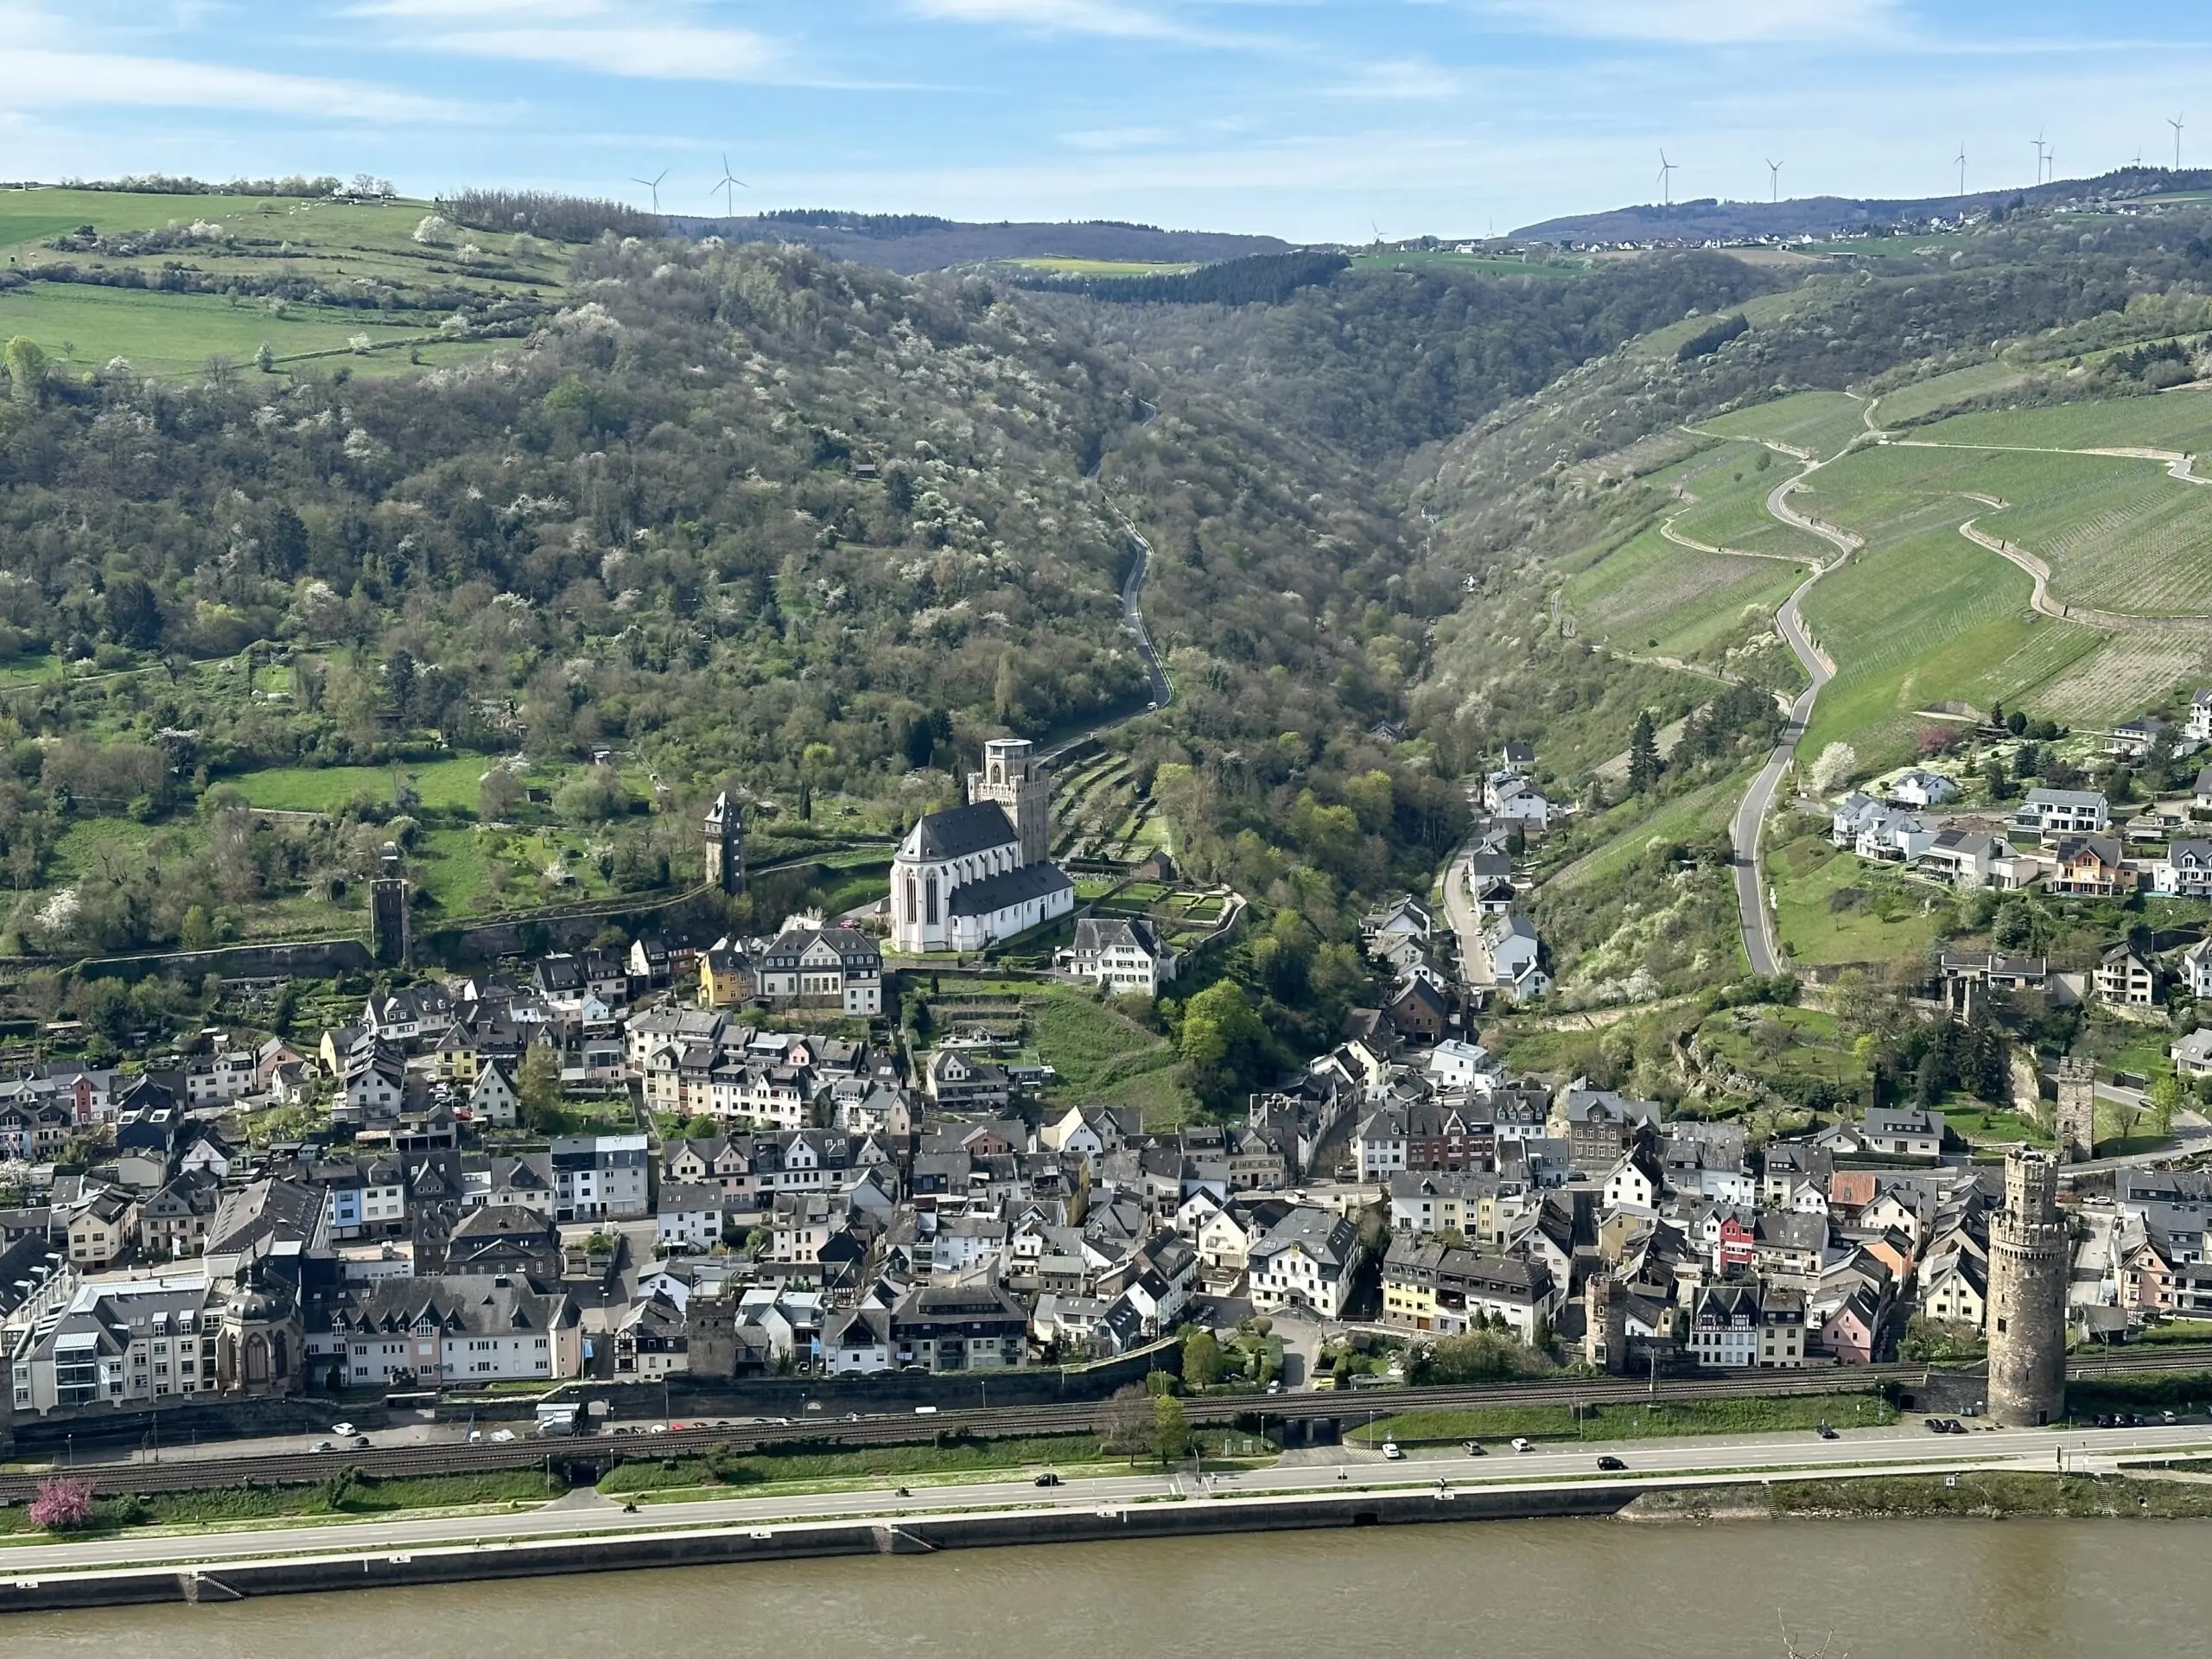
(537,12)
(40,79)
(658,52)
(1706,23)
(1110,140)
(1112,19)
(1401,80)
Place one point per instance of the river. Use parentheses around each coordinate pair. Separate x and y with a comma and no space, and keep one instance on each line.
(1962,1589)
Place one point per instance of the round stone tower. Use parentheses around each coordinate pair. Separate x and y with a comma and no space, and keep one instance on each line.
(2027,1295)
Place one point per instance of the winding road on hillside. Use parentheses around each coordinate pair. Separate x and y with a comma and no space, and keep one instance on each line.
(1753,917)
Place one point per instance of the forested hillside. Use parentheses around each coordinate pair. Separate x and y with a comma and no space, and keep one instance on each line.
(750,516)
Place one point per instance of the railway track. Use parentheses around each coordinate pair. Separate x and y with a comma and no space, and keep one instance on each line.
(485,1457)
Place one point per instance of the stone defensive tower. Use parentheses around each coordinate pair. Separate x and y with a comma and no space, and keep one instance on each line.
(1604,1324)
(724,830)
(2027,1295)
(391,940)
(2074,1123)
(1021,783)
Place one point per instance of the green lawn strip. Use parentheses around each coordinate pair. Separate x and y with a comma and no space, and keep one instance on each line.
(2189,1390)
(828,1470)
(1629,1422)
(2177,1331)
(362,1497)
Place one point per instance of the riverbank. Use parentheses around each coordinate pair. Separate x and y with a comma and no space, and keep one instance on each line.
(1874,1495)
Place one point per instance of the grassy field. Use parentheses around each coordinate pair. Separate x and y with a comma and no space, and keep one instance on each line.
(1819,423)
(1772,1042)
(1882,920)
(367,250)
(1629,1423)
(1060,267)
(442,784)
(1448,259)
(1100,1057)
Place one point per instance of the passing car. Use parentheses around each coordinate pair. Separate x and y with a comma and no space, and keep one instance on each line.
(503,1436)
(343,1429)
(658,1428)
(1611,1464)
(1048,1479)
(323,1445)
(1473,1448)
(360,1442)
(1826,1432)
(1391,1453)
(1521,1444)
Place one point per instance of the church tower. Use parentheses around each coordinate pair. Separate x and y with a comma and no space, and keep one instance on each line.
(1022,784)
(725,836)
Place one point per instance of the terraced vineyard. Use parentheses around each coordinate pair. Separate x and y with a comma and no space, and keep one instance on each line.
(1819,423)
(1731,509)
(2180,419)
(1925,398)
(1653,594)
(2117,535)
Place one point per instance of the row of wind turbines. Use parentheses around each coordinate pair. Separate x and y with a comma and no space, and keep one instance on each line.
(729,184)
(2046,165)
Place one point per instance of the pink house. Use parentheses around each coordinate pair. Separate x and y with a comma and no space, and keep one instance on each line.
(1735,1246)
(1851,1333)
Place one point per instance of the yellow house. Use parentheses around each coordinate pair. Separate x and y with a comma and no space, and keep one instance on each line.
(455,1060)
(726,976)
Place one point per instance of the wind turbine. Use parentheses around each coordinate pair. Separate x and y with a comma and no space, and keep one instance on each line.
(2038,158)
(1962,167)
(1667,171)
(2176,125)
(2051,156)
(724,183)
(653,185)
(1774,181)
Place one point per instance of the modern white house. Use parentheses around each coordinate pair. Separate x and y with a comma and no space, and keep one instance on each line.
(1511,946)
(2050,813)
(1918,788)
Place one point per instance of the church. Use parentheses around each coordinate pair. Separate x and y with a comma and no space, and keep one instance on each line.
(976,875)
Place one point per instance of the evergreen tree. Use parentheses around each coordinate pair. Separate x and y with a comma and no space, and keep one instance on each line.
(1642,753)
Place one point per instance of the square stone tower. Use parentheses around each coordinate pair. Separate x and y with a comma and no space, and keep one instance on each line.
(724,832)
(1021,783)
(2074,1123)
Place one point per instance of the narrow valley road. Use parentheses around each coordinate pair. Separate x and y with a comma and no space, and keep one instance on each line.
(1756,920)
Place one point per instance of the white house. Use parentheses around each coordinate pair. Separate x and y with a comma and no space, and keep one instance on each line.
(1508,796)
(2186,870)
(2196,969)
(2050,813)
(1455,1063)
(690,1217)
(835,967)
(2192,1055)
(492,1098)
(1121,953)
(1918,788)
(1305,1260)
(1511,946)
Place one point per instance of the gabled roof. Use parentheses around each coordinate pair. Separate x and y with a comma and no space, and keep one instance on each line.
(959,831)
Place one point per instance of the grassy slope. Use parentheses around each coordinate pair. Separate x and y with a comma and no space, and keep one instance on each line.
(2180,419)
(83,326)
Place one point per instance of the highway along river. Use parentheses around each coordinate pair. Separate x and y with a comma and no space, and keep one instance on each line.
(1963,1589)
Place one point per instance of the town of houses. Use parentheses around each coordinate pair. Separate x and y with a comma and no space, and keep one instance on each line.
(787,1196)
(855,1212)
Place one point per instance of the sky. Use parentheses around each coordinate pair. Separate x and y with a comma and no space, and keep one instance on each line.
(1315,120)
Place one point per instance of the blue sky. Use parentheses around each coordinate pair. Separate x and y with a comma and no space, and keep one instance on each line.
(1312,119)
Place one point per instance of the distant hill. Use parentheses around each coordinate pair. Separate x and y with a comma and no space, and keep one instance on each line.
(911,243)
(1708,219)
